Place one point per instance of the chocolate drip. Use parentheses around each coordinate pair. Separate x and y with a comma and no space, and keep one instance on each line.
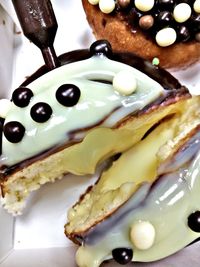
(1,133)
(158,74)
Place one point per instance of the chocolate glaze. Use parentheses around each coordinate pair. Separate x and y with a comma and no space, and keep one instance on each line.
(158,74)
(1,132)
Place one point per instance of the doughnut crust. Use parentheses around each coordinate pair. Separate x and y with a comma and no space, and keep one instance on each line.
(112,28)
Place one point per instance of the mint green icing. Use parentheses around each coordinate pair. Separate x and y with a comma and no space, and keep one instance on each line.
(98,100)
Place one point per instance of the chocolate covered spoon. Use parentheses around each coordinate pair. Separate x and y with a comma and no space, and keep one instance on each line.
(39,25)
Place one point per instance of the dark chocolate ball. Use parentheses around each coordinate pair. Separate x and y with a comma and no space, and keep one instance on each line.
(22,96)
(165,4)
(101,47)
(124,3)
(122,255)
(195,23)
(194,221)
(164,18)
(41,112)
(183,33)
(13,131)
(1,132)
(68,95)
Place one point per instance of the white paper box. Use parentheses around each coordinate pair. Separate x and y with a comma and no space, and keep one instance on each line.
(6,52)
(37,237)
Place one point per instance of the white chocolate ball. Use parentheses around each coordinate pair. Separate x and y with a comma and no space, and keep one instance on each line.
(182,12)
(93,2)
(143,235)
(106,6)
(197,6)
(124,82)
(5,106)
(166,37)
(144,5)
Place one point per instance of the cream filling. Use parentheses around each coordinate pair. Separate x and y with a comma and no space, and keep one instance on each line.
(124,177)
(166,206)
(98,145)
(130,177)
(98,100)
(115,187)
(135,166)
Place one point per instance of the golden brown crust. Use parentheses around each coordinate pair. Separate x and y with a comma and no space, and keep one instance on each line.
(109,27)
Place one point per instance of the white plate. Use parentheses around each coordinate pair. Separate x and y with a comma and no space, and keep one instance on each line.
(37,238)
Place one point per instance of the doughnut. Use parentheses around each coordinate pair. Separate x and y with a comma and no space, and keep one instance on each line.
(145,205)
(97,104)
(168,30)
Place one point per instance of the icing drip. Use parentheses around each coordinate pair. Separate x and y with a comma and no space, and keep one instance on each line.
(158,204)
(98,102)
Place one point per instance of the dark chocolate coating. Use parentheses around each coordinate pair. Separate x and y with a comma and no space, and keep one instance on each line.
(158,74)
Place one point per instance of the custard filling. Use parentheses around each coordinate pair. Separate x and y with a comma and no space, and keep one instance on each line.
(136,166)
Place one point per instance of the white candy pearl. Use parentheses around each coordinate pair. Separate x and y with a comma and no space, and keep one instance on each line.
(124,82)
(106,6)
(166,37)
(144,5)
(143,235)
(5,106)
(197,6)
(182,12)
(93,2)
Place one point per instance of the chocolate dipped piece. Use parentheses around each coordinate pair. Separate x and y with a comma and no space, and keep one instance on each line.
(96,115)
(39,25)
(167,30)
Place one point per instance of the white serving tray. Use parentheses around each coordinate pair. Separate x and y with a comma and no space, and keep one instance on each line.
(37,237)
(6,52)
